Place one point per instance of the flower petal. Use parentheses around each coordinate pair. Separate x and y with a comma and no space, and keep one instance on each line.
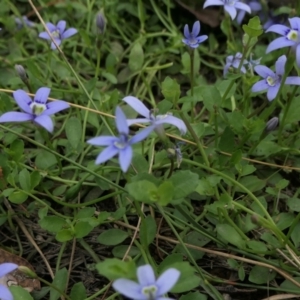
(196,29)
(61,26)
(125,157)
(145,275)
(141,135)
(264,71)
(68,33)
(106,154)
(243,6)
(186,31)
(212,3)
(45,121)
(5,293)
(128,288)
(173,121)
(259,86)
(41,95)
(278,43)
(280,65)
(201,38)
(51,26)
(102,140)
(292,80)
(240,16)
(278,28)
(23,100)
(231,10)
(57,41)
(298,55)
(121,121)
(55,106)
(45,35)
(167,280)
(137,105)
(295,23)
(6,268)
(273,91)
(15,117)
(136,121)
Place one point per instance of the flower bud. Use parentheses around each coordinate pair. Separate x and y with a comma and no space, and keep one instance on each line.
(272,124)
(100,22)
(22,73)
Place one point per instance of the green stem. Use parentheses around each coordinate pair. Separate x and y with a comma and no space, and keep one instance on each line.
(192,58)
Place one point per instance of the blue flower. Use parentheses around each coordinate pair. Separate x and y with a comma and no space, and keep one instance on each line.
(230,6)
(148,287)
(120,145)
(58,33)
(253,62)
(234,61)
(191,38)
(290,37)
(272,81)
(24,21)
(255,7)
(5,269)
(149,117)
(36,110)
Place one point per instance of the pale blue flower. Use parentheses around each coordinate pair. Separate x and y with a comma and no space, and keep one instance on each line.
(255,7)
(24,21)
(231,6)
(5,269)
(234,61)
(149,117)
(58,33)
(120,145)
(272,80)
(191,38)
(36,110)
(253,62)
(148,287)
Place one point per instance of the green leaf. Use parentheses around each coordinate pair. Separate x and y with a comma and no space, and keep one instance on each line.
(85,213)
(165,193)
(20,293)
(113,268)
(74,131)
(252,183)
(119,251)
(227,141)
(295,236)
(64,235)
(59,281)
(294,204)
(288,285)
(82,229)
(52,223)
(112,237)
(284,220)
(211,97)
(78,291)
(253,29)
(35,178)
(193,296)
(24,179)
(260,275)
(229,234)
(136,57)
(16,149)
(147,231)
(142,190)
(44,160)
(17,197)
(258,247)
(170,89)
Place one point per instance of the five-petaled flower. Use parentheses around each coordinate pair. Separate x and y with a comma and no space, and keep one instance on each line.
(119,145)
(272,81)
(230,6)
(148,287)
(290,37)
(255,7)
(6,268)
(235,61)
(58,33)
(36,110)
(191,38)
(149,117)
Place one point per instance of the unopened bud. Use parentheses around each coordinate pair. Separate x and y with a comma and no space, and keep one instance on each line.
(22,73)
(100,22)
(27,271)
(272,124)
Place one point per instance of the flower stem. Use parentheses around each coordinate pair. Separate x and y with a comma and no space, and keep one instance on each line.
(192,59)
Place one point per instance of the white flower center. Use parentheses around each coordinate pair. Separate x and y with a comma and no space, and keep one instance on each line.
(121,143)
(55,34)
(271,81)
(37,108)
(293,35)
(150,292)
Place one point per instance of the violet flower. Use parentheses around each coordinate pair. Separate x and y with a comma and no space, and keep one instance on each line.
(253,62)
(230,6)
(191,38)
(36,110)
(149,117)
(58,33)
(234,61)
(255,7)
(290,37)
(24,21)
(120,145)
(147,288)
(272,81)
(5,269)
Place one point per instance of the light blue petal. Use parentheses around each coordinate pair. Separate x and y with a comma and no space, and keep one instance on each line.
(55,106)
(141,135)
(145,275)
(260,86)
(106,154)
(264,71)
(15,117)
(44,35)
(125,157)
(103,140)
(278,43)
(137,105)
(273,91)
(23,100)
(51,27)
(212,3)
(231,11)
(129,289)
(280,65)
(5,293)
(186,32)
(121,121)
(41,95)
(201,39)
(61,26)
(6,268)
(173,121)
(298,55)
(295,23)
(136,121)
(280,29)
(240,16)
(167,280)
(196,29)
(45,121)
(68,33)
(292,80)
(243,6)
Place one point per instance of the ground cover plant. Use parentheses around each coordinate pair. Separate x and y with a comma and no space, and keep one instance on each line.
(149,149)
